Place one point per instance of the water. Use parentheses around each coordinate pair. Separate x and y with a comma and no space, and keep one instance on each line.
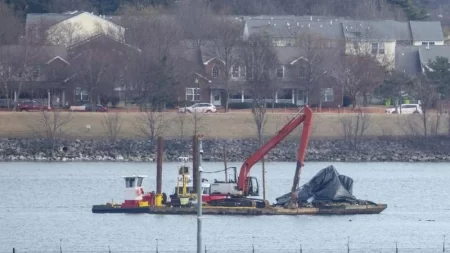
(43,203)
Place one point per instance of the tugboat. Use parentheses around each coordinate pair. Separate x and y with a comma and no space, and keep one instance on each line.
(135,199)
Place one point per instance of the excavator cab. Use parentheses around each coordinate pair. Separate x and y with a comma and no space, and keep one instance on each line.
(253,186)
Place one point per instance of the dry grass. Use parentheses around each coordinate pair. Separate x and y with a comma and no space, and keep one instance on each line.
(220,125)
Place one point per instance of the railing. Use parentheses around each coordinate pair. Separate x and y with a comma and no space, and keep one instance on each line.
(249,250)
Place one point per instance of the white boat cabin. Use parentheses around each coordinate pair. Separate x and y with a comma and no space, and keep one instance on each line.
(133,187)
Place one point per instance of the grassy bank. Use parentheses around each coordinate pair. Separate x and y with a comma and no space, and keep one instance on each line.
(230,125)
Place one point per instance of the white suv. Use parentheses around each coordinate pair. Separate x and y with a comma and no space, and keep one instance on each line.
(406,109)
(199,107)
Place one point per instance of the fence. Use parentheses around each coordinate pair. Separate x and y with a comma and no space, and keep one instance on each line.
(251,249)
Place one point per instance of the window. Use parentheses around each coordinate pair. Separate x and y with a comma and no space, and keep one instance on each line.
(192,94)
(235,72)
(81,94)
(374,48)
(328,95)
(280,72)
(431,43)
(378,48)
(285,94)
(129,182)
(215,72)
(249,73)
(381,48)
(139,184)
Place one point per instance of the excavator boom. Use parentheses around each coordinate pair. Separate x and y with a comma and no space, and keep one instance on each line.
(306,117)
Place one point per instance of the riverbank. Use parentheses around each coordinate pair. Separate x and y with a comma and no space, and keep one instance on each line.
(369,150)
(234,125)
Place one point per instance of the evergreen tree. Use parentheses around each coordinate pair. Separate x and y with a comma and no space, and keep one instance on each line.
(438,72)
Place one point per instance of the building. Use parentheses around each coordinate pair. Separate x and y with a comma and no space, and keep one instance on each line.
(57,52)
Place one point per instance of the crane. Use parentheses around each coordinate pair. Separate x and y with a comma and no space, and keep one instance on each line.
(248,186)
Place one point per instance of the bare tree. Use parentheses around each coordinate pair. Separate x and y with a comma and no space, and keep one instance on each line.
(197,122)
(10,28)
(97,71)
(152,124)
(112,124)
(360,75)
(195,19)
(156,70)
(425,91)
(60,6)
(51,126)
(18,67)
(354,126)
(228,37)
(181,120)
(319,56)
(260,61)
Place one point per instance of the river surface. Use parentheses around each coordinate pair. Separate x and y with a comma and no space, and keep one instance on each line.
(45,205)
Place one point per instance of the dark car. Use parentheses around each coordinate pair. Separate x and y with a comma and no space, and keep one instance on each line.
(96,108)
(32,106)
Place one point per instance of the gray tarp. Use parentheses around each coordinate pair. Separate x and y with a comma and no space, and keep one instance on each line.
(326,186)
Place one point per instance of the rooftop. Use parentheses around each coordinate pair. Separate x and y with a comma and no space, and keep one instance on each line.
(427,30)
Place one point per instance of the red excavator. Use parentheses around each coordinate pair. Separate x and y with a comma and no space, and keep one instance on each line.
(238,190)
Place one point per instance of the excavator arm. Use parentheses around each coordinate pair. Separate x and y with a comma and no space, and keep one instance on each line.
(306,117)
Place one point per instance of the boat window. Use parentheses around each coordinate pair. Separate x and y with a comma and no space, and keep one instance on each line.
(130,182)
(205,190)
(139,184)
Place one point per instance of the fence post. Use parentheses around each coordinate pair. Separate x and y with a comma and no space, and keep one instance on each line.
(348,244)
(206,251)
(443,245)
(14,250)
(253,244)
(301,249)
(396,248)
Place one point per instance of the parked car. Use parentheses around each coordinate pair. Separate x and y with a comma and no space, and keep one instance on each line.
(406,109)
(32,106)
(88,108)
(198,107)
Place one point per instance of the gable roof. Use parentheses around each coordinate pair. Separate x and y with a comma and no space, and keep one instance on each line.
(54,18)
(426,30)
(39,54)
(427,54)
(376,30)
(81,27)
(407,60)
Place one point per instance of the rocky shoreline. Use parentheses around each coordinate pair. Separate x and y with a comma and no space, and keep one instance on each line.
(408,150)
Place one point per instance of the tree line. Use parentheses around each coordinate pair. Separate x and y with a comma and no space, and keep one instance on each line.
(349,8)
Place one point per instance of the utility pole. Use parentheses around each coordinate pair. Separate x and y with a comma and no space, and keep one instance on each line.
(199,194)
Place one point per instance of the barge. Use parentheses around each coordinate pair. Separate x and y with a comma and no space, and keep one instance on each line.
(327,193)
